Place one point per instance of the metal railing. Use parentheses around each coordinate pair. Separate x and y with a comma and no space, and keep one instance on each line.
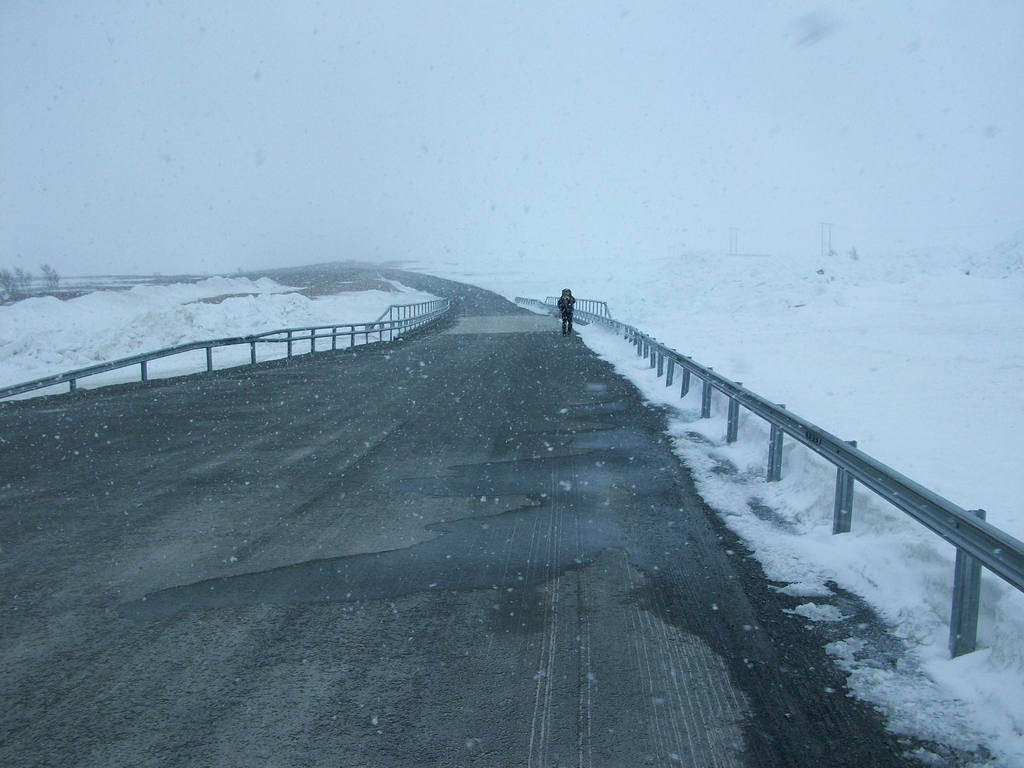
(535,303)
(401,319)
(412,312)
(977,542)
(590,306)
(584,308)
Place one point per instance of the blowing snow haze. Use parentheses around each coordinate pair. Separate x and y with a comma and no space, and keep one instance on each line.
(195,137)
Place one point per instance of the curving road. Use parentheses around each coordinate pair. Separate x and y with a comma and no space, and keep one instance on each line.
(474,547)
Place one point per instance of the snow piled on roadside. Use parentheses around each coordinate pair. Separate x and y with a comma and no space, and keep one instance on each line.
(902,570)
(45,336)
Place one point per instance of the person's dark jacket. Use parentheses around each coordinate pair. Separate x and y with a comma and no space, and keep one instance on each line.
(565,305)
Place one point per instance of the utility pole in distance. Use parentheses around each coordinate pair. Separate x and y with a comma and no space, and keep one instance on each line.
(826,233)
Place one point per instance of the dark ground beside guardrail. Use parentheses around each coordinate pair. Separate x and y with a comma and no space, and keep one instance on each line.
(464,549)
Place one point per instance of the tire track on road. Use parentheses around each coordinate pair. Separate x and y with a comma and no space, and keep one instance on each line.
(585,678)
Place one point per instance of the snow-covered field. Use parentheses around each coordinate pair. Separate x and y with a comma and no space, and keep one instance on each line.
(45,336)
(920,358)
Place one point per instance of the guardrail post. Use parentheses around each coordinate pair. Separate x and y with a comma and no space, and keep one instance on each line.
(705,399)
(775,454)
(842,514)
(145,373)
(334,339)
(312,341)
(733,430)
(209,359)
(74,384)
(289,343)
(655,354)
(670,371)
(967,600)
(685,388)
(661,364)
(252,352)
(963,621)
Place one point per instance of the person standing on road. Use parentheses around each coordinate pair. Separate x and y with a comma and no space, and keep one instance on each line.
(565,306)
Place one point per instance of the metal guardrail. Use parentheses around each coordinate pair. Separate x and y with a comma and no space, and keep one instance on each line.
(590,306)
(583,308)
(401,319)
(534,303)
(411,312)
(977,542)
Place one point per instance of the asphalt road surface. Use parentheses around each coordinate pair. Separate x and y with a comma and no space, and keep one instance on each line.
(471,547)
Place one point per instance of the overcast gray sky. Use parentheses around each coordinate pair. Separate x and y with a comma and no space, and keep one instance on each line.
(206,136)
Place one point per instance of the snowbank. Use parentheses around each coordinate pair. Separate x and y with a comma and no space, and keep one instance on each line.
(896,565)
(45,336)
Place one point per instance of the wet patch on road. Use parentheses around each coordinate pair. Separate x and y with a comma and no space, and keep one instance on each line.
(503,324)
(530,546)
(571,523)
